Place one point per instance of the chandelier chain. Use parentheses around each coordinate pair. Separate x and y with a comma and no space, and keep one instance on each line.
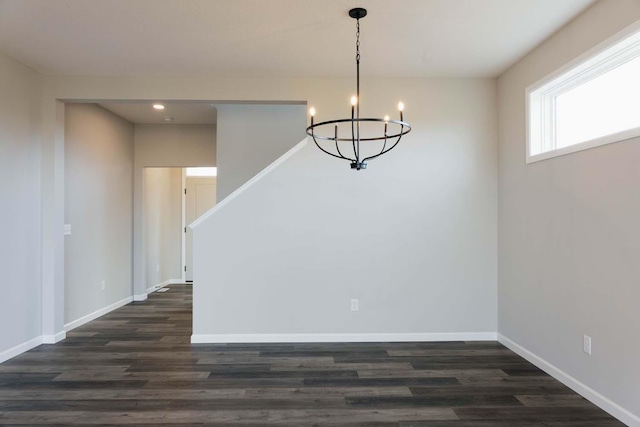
(358,40)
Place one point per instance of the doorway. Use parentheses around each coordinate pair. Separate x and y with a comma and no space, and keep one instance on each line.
(162,226)
(199,197)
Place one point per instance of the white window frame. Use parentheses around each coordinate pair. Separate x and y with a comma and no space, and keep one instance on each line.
(540,97)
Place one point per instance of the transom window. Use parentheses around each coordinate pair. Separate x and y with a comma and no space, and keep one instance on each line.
(202,171)
(593,101)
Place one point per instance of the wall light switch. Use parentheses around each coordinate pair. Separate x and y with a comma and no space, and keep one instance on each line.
(67,229)
(586,344)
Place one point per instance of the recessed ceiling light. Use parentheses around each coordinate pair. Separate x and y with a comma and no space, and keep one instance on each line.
(158,106)
(168,119)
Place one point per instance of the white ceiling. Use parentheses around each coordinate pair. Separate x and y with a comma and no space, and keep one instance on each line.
(180,112)
(302,38)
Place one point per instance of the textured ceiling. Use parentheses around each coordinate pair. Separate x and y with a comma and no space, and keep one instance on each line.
(302,38)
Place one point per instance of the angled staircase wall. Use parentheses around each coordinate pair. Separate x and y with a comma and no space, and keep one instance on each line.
(413,237)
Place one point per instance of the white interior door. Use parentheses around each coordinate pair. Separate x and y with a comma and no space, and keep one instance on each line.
(200,197)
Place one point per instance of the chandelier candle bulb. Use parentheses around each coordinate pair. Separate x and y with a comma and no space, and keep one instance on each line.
(354,101)
(312,112)
(358,161)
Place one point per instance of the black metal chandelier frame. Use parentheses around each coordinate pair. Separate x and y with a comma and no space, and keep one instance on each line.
(389,141)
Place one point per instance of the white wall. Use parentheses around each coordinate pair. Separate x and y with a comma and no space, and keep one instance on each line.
(99,207)
(174,145)
(462,143)
(163,224)
(569,234)
(413,237)
(163,146)
(250,137)
(20,304)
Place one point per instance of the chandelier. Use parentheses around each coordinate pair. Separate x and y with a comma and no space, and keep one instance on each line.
(393,132)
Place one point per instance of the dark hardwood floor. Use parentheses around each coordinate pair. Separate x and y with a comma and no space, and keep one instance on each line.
(135,366)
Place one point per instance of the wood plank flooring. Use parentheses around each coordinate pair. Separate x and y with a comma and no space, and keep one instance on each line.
(135,366)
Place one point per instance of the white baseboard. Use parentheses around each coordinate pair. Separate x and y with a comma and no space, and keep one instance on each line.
(91,316)
(52,339)
(19,349)
(140,297)
(585,391)
(299,338)
(154,288)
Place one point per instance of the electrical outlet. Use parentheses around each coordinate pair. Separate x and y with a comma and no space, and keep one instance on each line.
(103,285)
(354,305)
(586,344)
